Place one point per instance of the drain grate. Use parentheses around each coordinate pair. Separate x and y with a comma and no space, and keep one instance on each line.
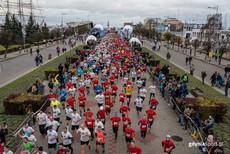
(177,138)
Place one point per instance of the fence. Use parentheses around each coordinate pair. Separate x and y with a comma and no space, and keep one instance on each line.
(169,99)
(29,118)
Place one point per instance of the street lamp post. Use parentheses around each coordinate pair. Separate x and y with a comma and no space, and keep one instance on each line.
(24,38)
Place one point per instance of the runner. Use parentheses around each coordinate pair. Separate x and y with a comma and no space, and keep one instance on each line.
(56,113)
(139,104)
(102,114)
(52,137)
(114,92)
(153,103)
(168,145)
(100,99)
(150,116)
(133,148)
(75,121)
(89,122)
(128,91)
(87,85)
(100,139)
(129,135)
(67,139)
(63,95)
(88,113)
(142,93)
(115,120)
(68,113)
(71,101)
(144,126)
(82,101)
(152,90)
(84,137)
(41,120)
(108,106)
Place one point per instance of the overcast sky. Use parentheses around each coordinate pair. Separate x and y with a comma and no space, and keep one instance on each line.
(119,11)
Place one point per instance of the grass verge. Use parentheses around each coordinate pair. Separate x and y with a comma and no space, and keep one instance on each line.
(221,129)
(20,86)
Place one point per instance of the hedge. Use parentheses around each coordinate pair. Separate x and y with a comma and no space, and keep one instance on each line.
(16,104)
(55,72)
(73,58)
(208,107)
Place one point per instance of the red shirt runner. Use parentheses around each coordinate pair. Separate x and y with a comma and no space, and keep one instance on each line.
(81,100)
(167,145)
(89,123)
(150,114)
(115,121)
(129,132)
(88,113)
(135,150)
(144,124)
(71,101)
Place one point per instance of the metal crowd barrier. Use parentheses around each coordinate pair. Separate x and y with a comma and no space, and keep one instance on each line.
(170,100)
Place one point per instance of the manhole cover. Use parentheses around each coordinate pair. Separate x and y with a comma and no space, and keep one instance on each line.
(176,138)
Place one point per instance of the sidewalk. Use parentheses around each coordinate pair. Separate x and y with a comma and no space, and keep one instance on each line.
(16,54)
(199,55)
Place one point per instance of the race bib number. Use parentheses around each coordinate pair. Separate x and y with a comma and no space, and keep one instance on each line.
(115,123)
(150,119)
(128,135)
(89,123)
(143,126)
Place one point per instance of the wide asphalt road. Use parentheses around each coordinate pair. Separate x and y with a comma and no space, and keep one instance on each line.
(179,59)
(17,67)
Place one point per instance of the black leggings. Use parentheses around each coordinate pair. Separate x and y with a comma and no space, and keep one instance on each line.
(42,129)
(69,146)
(143,134)
(115,130)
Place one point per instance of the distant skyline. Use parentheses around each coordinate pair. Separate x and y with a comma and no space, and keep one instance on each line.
(119,11)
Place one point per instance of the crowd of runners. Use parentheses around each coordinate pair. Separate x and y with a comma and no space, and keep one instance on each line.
(98,71)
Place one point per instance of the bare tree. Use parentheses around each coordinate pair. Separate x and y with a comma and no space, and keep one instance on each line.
(195,44)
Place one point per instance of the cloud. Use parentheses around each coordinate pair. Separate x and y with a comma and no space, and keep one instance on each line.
(120,11)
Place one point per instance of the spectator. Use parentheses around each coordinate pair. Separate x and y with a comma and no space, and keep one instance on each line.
(209,123)
(7,150)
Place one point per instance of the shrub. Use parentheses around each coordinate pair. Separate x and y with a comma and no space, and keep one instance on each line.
(153,62)
(16,104)
(208,106)
(73,58)
(55,72)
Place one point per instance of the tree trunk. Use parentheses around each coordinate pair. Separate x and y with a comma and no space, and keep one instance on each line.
(5,52)
(195,52)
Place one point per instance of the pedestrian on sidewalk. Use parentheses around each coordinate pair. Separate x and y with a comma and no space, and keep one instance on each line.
(186,60)
(190,59)
(227,86)
(203,76)
(192,68)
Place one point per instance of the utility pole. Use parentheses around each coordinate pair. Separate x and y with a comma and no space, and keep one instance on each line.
(8,6)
